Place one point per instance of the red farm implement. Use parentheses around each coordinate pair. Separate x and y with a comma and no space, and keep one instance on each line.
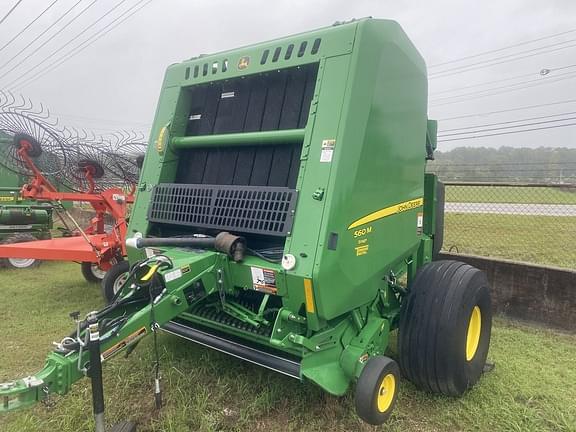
(64,166)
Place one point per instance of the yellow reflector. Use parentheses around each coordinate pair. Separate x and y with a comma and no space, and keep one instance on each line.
(161,141)
(309,295)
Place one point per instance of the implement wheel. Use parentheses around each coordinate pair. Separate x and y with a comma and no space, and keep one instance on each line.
(92,272)
(377,389)
(445,326)
(114,280)
(19,263)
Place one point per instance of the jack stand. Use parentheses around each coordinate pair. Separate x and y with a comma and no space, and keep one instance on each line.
(95,374)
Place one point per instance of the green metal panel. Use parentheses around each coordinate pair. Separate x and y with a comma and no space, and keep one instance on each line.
(378,162)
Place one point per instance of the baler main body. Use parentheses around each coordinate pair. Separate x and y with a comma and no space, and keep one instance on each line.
(312,147)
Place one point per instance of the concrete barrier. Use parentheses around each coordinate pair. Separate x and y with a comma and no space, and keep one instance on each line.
(545,295)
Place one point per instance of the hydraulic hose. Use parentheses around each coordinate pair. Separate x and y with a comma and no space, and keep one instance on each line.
(198,242)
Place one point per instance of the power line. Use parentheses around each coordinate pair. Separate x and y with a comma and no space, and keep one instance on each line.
(10,11)
(29,24)
(73,39)
(482,84)
(508,122)
(101,119)
(508,133)
(502,49)
(482,65)
(88,42)
(49,39)
(508,110)
(531,50)
(506,127)
(76,50)
(544,72)
(41,34)
(502,87)
(480,95)
(508,86)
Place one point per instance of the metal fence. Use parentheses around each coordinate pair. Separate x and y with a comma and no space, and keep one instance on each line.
(534,223)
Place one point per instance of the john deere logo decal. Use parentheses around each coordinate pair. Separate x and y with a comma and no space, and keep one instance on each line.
(243,62)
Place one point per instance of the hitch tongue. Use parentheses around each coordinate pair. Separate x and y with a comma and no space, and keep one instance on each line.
(21,393)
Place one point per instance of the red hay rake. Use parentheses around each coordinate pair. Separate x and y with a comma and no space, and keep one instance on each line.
(66,165)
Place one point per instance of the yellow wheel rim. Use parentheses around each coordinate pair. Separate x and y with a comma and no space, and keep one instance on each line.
(386,392)
(473,336)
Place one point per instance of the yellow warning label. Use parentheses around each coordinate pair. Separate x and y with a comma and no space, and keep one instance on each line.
(362,250)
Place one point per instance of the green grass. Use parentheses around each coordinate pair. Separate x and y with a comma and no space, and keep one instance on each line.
(532,387)
(547,240)
(509,194)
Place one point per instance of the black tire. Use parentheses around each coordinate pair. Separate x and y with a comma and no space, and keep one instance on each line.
(435,328)
(19,263)
(372,405)
(439,219)
(89,272)
(113,275)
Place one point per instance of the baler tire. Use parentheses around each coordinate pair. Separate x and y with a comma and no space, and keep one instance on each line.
(109,287)
(374,403)
(88,273)
(22,262)
(445,326)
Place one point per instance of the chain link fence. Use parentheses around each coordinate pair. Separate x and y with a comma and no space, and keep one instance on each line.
(533,223)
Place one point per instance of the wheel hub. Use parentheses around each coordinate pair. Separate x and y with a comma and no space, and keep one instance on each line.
(97,271)
(386,392)
(473,335)
(21,262)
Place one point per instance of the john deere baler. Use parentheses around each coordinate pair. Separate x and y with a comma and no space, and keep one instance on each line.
(284,217)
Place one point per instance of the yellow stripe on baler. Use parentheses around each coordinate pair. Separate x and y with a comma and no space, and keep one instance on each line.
(388,211)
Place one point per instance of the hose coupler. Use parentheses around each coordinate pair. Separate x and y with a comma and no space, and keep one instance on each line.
(232,245)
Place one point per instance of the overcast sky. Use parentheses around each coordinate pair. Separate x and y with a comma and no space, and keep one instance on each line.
(114,83)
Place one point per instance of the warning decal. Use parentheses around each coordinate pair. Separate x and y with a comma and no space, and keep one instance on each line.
(327,150)
(420,223)
(173,275)
(263,279)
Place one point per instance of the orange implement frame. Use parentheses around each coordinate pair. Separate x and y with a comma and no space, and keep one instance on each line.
(91,244)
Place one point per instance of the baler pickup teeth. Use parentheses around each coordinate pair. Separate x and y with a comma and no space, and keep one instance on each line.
(211,313)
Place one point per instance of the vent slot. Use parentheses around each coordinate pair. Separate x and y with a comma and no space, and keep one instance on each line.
(316,46)
(258,210)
